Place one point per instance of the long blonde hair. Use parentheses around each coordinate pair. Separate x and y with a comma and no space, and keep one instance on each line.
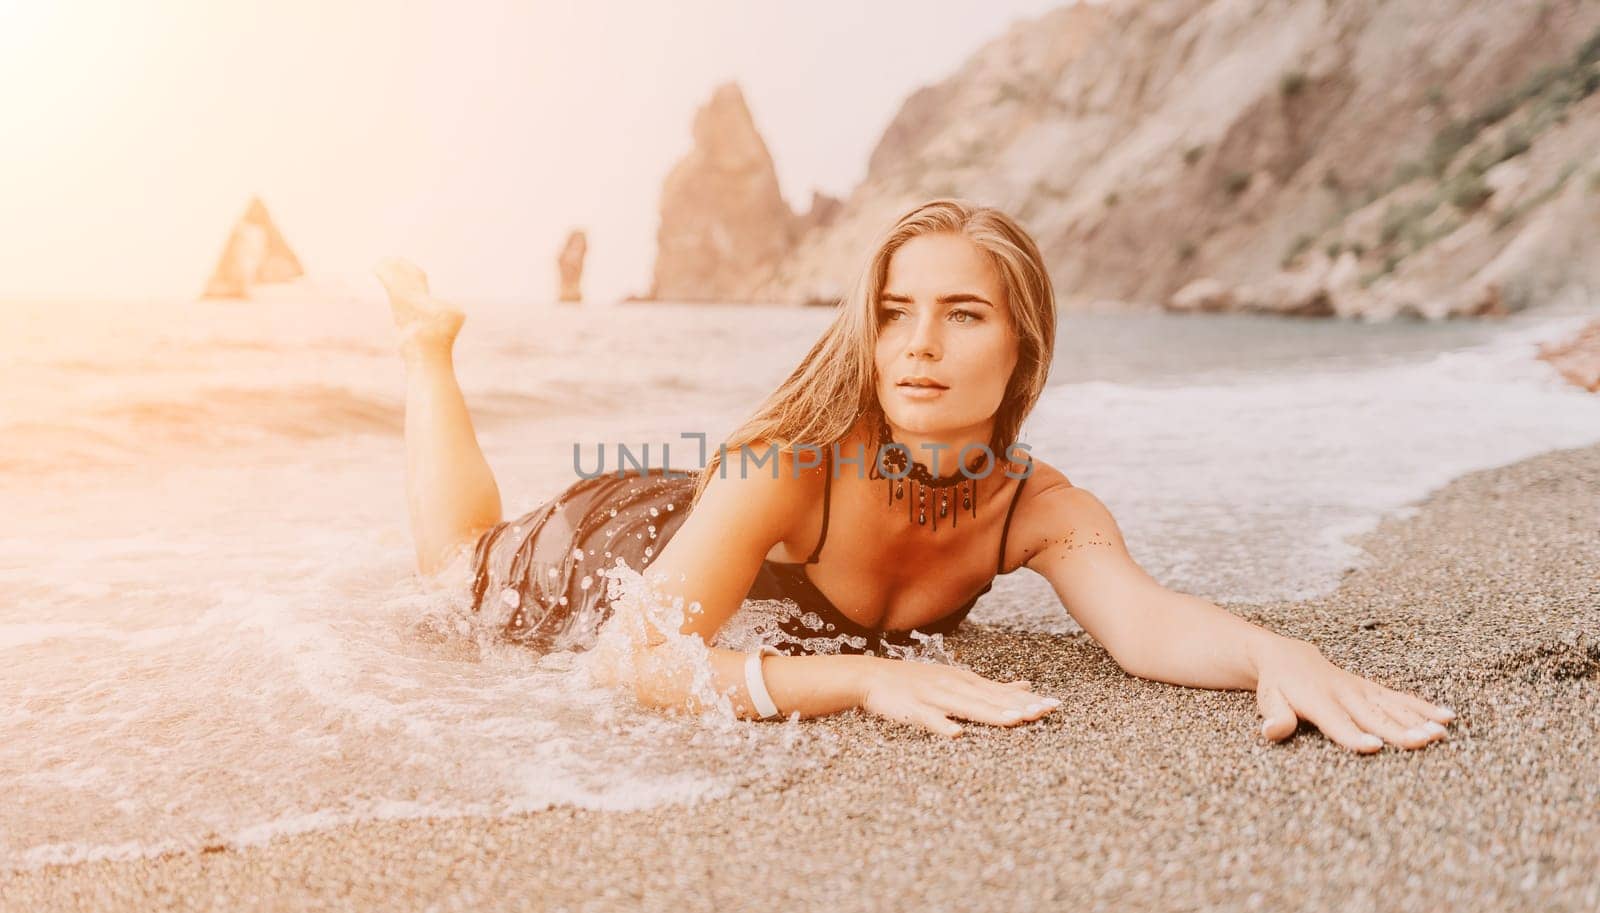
(835,384)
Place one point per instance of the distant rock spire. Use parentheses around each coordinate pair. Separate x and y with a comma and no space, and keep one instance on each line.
(570,265)
(724,223)
(256,252)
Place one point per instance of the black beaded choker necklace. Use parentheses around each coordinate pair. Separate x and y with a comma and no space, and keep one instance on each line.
(891,466)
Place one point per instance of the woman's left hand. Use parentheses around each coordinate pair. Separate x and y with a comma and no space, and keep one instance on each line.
(1295,681)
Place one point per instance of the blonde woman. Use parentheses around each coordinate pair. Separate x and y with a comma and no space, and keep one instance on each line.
(891,494)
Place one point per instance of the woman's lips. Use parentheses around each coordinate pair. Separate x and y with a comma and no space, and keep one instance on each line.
(920,391)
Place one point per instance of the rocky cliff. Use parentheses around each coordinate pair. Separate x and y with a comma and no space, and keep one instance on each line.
(1318,157)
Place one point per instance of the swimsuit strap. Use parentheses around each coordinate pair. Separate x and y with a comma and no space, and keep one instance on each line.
(827,492)
(1000,563)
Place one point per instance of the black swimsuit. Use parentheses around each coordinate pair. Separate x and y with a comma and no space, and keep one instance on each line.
(543,568)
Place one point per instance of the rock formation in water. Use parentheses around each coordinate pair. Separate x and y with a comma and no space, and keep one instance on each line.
(1360,159)
(570,265)
(255,253)
(1578,358)
(724,224)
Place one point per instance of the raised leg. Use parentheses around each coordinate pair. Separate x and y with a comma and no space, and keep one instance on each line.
(450,491)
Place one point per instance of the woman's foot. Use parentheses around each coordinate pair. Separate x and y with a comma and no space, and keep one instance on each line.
(424,323)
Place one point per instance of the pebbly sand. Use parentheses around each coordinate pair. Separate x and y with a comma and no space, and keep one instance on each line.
(1133,795)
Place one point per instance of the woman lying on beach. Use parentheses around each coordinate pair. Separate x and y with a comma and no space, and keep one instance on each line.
(937,355)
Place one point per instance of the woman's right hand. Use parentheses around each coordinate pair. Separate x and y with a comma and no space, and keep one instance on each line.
(927,694)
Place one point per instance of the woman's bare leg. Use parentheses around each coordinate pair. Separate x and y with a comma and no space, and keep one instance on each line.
(450,491)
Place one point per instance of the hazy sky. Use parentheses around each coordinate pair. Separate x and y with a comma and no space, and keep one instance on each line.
(467,136)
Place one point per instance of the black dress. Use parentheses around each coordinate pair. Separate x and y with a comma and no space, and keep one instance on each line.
(543,568)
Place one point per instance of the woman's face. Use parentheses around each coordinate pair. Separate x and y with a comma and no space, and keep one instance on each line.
(946,344)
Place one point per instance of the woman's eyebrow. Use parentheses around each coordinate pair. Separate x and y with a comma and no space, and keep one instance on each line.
(956,298)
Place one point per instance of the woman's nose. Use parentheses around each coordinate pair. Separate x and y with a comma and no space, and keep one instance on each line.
(925,341)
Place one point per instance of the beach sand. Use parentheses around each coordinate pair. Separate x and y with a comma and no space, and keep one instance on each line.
(1133,795)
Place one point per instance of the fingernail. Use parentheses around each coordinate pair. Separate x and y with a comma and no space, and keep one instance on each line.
(1370,741)
(1052,702)
(1447,711)
(1433,727)
(1038,707)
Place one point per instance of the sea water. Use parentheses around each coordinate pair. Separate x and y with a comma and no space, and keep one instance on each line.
(210,632)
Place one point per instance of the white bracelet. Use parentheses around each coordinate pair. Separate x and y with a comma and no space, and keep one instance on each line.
(757,685)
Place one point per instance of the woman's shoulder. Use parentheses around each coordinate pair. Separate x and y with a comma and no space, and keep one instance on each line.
(1043,478)
(1051,506)
(1050,497)
(770,474)
(771,493)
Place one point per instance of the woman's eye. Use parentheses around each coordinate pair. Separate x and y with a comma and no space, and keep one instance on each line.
(893,313)
(963,316)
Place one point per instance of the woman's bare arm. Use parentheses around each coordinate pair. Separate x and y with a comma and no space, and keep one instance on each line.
(709,564)
(1151,632)
(1159,634)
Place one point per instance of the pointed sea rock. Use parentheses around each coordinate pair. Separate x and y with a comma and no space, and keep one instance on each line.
(724,223)
(256,252)
(570,265)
